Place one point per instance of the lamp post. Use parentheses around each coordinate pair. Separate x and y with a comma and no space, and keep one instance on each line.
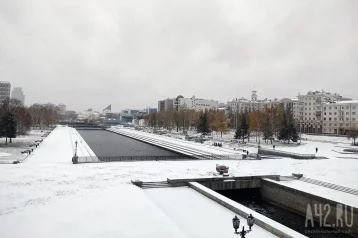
(75,148)
(236,225)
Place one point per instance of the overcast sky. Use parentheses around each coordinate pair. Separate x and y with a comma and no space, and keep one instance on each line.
(88,54)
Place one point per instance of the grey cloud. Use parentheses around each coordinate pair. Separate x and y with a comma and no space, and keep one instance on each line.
(133,53)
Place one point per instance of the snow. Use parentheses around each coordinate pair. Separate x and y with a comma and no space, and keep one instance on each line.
(201,148)
(182,203)
(247,210)
(12,151)
(49,192)
(337,196)
(109,213)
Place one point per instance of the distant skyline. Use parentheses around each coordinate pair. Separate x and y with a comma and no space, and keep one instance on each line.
(89,54)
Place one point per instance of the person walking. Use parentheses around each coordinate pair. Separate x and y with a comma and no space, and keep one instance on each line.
(316,150)
(273,146)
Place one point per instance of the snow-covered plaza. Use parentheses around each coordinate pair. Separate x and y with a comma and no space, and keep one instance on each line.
(48,196)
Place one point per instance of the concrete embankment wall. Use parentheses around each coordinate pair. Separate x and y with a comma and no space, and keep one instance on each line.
(299,201)
(285,154)
(225,183)
(260,220)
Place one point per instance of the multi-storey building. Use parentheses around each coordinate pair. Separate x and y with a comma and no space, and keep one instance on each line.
(4,90)
(255,104)
(310,110)
(18,94)
(199,104)
(62,109)
(166,105)
(188,103)
(340,117)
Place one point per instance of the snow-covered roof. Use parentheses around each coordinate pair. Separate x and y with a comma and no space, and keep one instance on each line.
(347,102)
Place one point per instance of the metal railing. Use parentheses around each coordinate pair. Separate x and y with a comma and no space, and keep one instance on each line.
(100,159)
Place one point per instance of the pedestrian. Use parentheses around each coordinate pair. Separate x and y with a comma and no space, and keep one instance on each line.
(247,152)
(316,150)
(273,146)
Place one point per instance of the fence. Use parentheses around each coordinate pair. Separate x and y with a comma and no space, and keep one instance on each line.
(286,154)
(99,159)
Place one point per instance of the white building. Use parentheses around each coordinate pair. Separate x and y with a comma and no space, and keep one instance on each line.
(340,117)
(62,109)
(310,110)
(5,88)
(195,103)
(243,104)
(18,94)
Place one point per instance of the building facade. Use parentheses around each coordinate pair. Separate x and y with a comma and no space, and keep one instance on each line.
(18,94)
(149,110)
(242,104)
(166,105)
(62,109)
(194,103)
(5,88)
(340,117)
(311,110)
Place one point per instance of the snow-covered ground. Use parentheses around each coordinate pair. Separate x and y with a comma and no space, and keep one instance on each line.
(207,218)
(48,196)
(11,152)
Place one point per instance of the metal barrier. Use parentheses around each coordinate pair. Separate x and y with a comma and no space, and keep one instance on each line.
(286,154)
(99,159)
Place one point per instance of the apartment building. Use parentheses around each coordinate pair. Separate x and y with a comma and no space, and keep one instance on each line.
(199,104)
(255,104)
(166,105)
(309,113)
(340,117)
(18,94)
(4,90)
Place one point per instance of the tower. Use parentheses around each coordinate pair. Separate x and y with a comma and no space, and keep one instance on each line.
(254,95)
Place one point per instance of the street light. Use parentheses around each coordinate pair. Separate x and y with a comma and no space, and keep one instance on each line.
(236,225)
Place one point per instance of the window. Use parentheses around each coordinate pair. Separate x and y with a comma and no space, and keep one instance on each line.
(324,118)
(324,108)
(329,119)
(306,108)
(324,124)
(354,107)
(330,113)
(347,107)
(335,113)
(306,113)
(310,109)
(353,113)
(305,119)
(330,124)
(335,118)
(347,119)
(309,118)
(335,124)
(309,114)
(347,113)
(335,107)
(341,124)
(309,104)
(330,108)
(305,104)
(324,113)
(347,124)
(353,119)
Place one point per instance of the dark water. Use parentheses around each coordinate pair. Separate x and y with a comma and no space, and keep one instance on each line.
(251,198)
(105,143)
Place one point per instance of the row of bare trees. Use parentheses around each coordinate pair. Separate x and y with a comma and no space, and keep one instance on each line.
(17,119)
(188,119)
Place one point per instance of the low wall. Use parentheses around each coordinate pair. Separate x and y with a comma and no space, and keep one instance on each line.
(285,154)
(298,202)
(260,220)
(226,183)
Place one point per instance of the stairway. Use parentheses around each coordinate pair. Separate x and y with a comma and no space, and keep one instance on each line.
(158,184)
(330,185)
